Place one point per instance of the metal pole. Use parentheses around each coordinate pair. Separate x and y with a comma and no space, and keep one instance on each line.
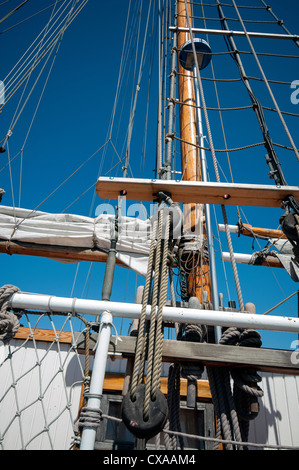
(100,361)
(175,314)
(214,286)
(97,380)
(222,32)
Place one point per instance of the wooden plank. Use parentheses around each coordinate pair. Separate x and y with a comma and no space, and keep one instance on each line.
(196,191)
(44,335)
(217,355)
(113,382)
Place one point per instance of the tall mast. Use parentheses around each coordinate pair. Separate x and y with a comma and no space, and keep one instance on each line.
(199,283)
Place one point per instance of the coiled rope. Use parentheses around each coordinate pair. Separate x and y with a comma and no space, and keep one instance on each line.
(9,321)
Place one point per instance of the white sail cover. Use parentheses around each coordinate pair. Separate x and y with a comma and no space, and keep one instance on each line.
(70,230)
(286,257)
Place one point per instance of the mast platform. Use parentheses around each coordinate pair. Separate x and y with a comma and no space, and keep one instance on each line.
(196,191)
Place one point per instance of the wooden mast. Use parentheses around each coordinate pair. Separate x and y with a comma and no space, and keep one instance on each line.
(199,281)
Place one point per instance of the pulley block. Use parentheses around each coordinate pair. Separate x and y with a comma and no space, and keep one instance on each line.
(133,413)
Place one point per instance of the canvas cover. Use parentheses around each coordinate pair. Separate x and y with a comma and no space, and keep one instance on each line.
(71,230)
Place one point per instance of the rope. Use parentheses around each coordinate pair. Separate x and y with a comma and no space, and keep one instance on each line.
(140,337)
(156,332)
(267,83)
(9,321)
(216,440)
(234,410)
(193,333)
(90,417)
(13,11)
(173,401)
(150,334)
(279,22)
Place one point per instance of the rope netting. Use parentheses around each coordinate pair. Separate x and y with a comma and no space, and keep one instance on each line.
(42,380)
(42,374)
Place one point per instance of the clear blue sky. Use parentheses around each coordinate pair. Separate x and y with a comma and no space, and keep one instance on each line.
(73,119)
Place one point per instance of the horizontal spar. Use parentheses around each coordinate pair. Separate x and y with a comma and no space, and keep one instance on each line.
(244,258)
(222,32)
(50,303)
(200,192)
(57,252)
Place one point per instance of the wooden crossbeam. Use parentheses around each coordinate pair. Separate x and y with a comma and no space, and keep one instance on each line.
(214,355)
(264,360)
(218,355)
(199,192)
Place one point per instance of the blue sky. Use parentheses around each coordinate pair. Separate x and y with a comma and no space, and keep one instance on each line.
(72,123)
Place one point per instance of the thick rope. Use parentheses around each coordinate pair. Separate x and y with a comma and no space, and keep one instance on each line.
(156,332)
(234,410)
(162,303)
(9,321)
(173,401)
(142,316)
(150,333)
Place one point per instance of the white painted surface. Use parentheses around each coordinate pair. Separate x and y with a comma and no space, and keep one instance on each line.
(23,413)
(277,422)
(278,419)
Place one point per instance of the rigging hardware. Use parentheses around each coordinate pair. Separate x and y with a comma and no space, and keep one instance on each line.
(133,416)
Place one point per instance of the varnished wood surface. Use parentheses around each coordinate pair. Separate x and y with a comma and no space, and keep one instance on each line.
(197,191)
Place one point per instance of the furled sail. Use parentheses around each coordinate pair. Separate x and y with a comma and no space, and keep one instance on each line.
(287,258)
(68,230)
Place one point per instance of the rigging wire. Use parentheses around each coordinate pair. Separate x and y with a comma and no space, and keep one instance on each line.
(233,261)
(266,82)
(13,11)
(143,152)
(29,17)
(30,47)
(17,78)
(278,21)
(18,113)
(272,158)
(141,67)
